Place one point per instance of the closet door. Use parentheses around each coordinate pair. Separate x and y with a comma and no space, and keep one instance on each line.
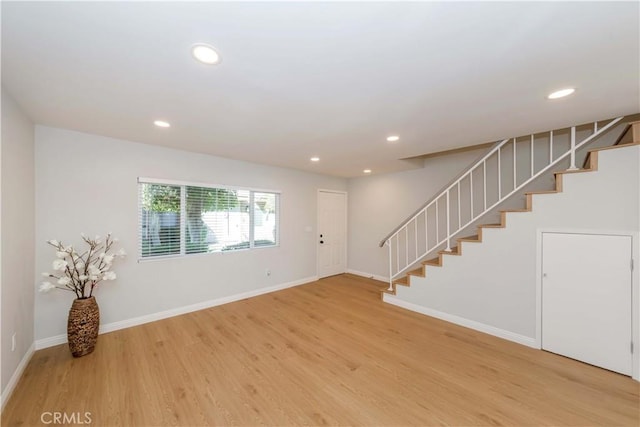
(586,298)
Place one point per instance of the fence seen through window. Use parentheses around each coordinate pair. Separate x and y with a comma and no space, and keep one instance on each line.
(183,219)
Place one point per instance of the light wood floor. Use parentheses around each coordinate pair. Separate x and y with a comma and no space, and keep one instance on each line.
(330,352)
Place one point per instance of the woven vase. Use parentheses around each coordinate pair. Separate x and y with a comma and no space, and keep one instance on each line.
(82,326)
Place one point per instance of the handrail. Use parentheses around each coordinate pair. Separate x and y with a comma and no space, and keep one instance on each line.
(407,247)
(457,177)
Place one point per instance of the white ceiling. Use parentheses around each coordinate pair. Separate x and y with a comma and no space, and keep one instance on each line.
(326,79)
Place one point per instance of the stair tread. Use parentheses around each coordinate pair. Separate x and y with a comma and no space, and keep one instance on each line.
(542,192)
(474,238)
(574,171)
(402,281)
(434,261)
(417,272)
(516,210)
(454,251)
(491,226)
(612,147)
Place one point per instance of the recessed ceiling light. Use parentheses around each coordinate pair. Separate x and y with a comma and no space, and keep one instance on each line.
(393,138)
(561,93)
(162,124)
(205,53)
(367,171)
(315,159)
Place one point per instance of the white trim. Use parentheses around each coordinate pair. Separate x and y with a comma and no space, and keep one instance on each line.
(183,223)
(128,323)
(202,254)
(369,275)
(539,289)
(143,180)
(635,284)
(325,190)
(487,329)
(17,374)
(51,341)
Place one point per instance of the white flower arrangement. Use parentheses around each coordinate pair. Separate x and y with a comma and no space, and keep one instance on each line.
(80,273)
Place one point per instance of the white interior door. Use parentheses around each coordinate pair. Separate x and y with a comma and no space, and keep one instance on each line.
(332,233)
(586,298)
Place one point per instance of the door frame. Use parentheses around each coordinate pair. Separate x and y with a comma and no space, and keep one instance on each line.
(635,285)
(346,230)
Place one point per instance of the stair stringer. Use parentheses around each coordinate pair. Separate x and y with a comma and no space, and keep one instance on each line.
(492,285)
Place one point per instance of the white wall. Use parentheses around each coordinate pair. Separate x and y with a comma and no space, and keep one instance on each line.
(88,183)
(493,285)
(17,241)
(379,203)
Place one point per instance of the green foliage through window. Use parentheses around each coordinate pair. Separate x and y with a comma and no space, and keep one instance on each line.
(209,219)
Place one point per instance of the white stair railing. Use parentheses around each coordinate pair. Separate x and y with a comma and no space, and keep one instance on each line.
(505,169)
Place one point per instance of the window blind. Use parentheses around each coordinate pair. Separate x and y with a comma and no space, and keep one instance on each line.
(159,220)
(187,219)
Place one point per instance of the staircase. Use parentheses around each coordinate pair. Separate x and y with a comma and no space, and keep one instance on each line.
(488,279)
(481,197)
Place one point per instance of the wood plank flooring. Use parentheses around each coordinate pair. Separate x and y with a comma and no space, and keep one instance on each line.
(325,353)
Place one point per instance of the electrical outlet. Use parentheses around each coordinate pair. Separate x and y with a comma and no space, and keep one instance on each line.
(268,272)
(13,342)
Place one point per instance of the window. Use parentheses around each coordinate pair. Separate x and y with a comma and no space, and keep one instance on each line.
(177,219)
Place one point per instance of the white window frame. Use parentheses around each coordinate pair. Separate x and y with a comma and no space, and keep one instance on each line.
(183,185)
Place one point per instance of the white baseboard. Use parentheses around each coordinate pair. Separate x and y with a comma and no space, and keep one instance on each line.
(13,381)
(123,324)
(51,341)
(368,275)
(471,324)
